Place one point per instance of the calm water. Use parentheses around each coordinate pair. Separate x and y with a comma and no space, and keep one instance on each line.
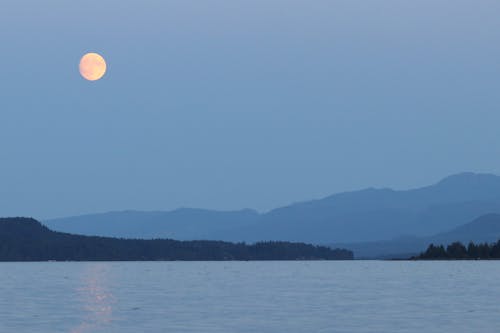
(358,296)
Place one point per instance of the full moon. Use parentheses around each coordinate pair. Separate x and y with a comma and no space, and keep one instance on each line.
(92,66)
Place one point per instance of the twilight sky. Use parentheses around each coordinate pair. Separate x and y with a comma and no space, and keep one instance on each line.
(228,104)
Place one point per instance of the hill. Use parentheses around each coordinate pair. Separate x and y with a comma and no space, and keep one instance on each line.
(359,216)
(484,229)
(23,239)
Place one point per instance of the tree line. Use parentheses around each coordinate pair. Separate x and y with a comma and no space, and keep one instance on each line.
(23,239)
(458,250)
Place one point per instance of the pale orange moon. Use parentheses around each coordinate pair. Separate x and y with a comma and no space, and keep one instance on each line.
(92,66)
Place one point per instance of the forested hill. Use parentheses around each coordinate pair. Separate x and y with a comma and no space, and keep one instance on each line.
(24,239)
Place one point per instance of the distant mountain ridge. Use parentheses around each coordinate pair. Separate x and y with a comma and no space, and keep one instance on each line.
(183,223)
(484,229)
(357,216)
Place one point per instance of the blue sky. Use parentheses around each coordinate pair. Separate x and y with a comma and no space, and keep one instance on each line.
(233,104)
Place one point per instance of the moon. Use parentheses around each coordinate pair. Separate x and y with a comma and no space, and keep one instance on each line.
(92,66)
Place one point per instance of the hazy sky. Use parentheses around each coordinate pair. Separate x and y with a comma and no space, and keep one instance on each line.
(232,104)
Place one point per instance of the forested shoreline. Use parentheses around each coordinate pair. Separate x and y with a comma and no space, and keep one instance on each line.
(24,239)
(458,251)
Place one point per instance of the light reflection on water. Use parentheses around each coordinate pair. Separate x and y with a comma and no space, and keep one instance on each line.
(96,298)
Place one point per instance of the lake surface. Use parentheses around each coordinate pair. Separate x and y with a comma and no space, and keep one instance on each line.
(348,296)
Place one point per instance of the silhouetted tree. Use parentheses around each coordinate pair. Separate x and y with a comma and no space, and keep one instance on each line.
(456,250)
(473,251)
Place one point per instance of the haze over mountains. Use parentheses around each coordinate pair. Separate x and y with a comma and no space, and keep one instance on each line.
(361,216)
(485,228)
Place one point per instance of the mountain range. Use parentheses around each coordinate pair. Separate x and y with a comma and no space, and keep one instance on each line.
(358,217)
